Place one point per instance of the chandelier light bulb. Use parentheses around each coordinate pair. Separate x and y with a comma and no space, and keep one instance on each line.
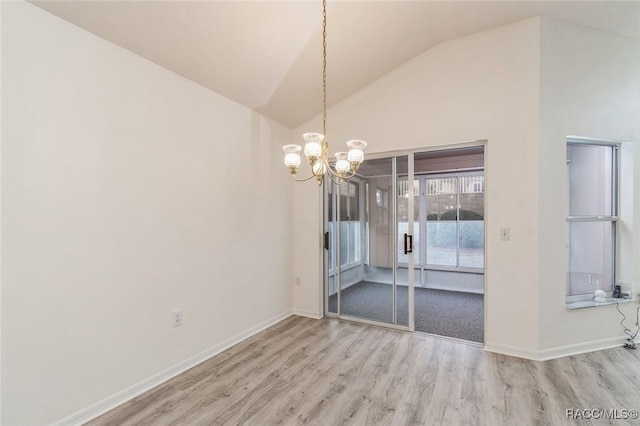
(342,164)
(356,151)
(313,145)
(292,157)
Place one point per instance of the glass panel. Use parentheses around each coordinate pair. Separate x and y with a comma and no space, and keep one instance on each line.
(354,242)
(344,243)
(366,210)
(367,290)
(590,257)
(471,225)
(441,221)
(332,285)
(403,217)
(590,179)
(333,295)
(354,201)
(472,244)
(344,202)
(331,252)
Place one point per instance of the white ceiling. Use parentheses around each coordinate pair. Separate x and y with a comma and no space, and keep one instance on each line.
(267,55)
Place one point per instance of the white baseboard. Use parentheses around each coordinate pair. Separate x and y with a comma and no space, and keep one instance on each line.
(119,398)
(581,348)
(558,352)
(309,314)
(512,351)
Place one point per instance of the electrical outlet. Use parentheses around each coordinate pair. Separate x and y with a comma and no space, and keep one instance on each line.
(176,318)
(298,281)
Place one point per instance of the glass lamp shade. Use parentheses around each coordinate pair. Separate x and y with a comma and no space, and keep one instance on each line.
(342,164)
(356,151)
(292,155)
(313,144)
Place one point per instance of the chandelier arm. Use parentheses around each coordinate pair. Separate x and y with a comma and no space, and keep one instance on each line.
(332,176)
(336,178)
(332,172)
(347,175)
(303,179)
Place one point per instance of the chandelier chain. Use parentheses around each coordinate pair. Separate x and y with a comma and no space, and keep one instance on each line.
(324,67)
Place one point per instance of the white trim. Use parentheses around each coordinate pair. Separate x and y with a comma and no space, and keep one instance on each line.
(307,313)
(512,351)
(410,229)
(595,141)
(445,147)
(323,257)
(372,322)
(451,339)
(119,398)
(581,348)
(487,220)
(559,352)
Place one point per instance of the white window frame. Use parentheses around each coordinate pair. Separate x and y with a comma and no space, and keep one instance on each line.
(421,190)
(613,218)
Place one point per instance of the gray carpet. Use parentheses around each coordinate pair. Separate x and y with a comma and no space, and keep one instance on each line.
(445,313)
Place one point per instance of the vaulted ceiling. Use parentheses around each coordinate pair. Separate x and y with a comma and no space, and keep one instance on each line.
(267,55)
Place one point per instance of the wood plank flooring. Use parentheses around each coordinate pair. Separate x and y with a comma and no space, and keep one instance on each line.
(330,372)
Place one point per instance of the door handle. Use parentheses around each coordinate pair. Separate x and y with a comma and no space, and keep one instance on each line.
(408,243)
(326,240)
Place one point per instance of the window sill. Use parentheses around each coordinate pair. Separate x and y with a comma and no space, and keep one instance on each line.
(593,304)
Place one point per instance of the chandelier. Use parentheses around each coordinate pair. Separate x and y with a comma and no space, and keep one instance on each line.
(316,147)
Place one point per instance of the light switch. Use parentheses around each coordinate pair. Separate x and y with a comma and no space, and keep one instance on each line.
(505,234)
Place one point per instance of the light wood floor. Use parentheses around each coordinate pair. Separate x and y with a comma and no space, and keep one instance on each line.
(330,372)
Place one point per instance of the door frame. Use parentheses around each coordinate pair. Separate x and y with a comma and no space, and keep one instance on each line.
(323,259)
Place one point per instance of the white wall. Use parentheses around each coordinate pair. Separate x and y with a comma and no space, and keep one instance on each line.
(484,86)
(307,248)
(590,87)
(122,201)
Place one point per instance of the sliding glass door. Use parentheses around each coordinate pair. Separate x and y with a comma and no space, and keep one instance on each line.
(368,234)
(405,243)
(404,222)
